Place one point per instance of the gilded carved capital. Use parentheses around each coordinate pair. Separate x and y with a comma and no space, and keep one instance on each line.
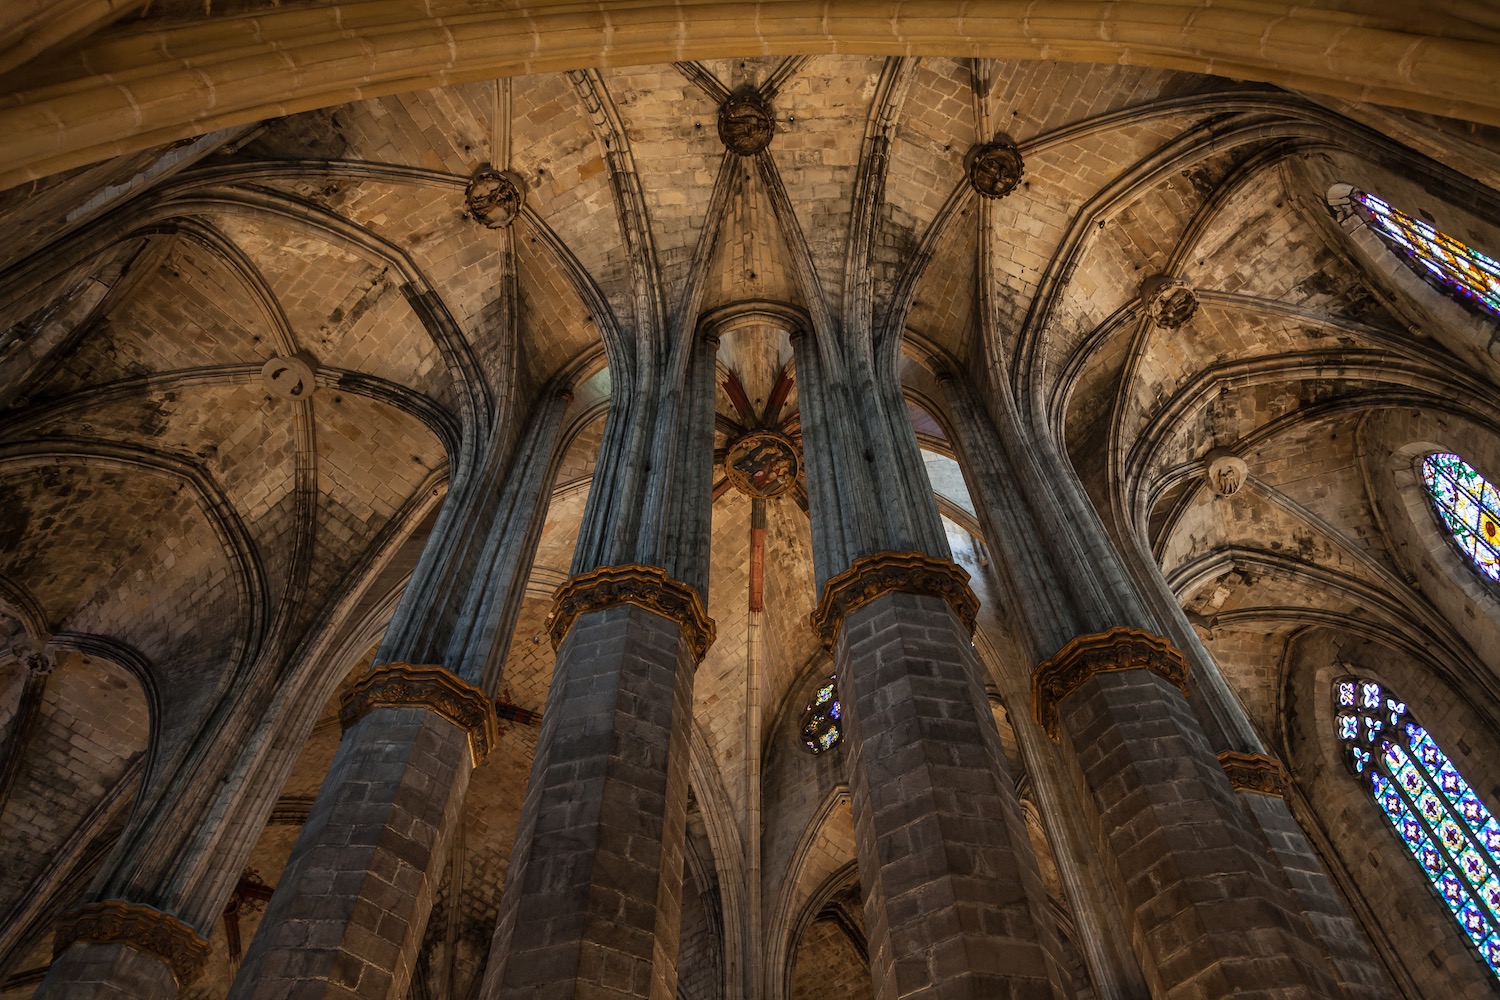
(143,928)
(401,685)
(1119,648)
(884,573)
(1255,772)
(647,587)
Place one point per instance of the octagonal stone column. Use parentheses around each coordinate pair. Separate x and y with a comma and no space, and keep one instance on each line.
(1262,786)
(347,917)
(592,898)
(1210,905)
(118,950)
(954,905)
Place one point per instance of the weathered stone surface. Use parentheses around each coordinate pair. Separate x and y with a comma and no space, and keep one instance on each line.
(91,971)
(1214,913)
(593,896)
(1339,936)
(366,864)
(953,902)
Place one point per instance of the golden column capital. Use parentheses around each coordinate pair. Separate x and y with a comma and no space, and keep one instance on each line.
(647,587)
(1255,772)
(403,685)
(1083,656)
(882,573)
(144,928)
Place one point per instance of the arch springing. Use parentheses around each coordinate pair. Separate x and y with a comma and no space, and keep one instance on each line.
(1444,825)
(1468,506)
(821,720)
(1452,265)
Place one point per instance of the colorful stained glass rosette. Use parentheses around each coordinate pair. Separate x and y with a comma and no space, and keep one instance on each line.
(1452,265)
(1469,507)
(820,721)
(1444,825)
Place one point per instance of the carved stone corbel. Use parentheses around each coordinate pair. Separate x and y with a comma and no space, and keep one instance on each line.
(884,573)
(1255,772)
(647,587)
(402,685)
(1115,649)
(144,928)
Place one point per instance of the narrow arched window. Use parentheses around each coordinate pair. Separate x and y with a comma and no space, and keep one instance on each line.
(821,721)
(1444,825)
(1452,265)
(1468,506)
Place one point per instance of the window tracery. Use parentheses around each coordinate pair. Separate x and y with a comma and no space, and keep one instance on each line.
(1468,506)
(1444,825)
(822,719)
(1452,265)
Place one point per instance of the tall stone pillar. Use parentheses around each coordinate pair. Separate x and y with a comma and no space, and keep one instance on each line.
(1213,911)
(349,910)
(952,890)
(593,894)
(1263,786)
(954,904)
(1266,793)
(114,950)
(1203,892)
(592,899)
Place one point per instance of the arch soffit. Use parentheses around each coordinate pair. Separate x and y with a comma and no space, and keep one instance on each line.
(79,114)
(787,919)
(1371,611)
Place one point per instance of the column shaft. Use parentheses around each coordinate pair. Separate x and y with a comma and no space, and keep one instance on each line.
(952,893)
(349,910)
(366,864)
(1338,934)
(97,971)
(593,895)
(1210,906)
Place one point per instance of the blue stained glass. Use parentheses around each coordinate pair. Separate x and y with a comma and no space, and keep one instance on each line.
(1468,506)
(820,721)
(1446,827)
(1468,275)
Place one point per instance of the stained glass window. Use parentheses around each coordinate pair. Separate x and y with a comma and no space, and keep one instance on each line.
(1457,268)
(1469,507)
(1433,810)
(822,719)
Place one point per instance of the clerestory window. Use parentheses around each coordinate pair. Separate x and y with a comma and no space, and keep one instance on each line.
(1444,825)
(1450,264)
(821,721)
(1468,506)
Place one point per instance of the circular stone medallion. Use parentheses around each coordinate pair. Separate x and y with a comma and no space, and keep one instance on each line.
(746,123)
(762,464)
(289,377)
(1170,302)
(495,197)
(995,168)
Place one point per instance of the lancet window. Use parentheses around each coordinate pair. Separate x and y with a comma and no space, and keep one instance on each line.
(1452,265)
(1444,825)
(822,720)
(1468,506)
